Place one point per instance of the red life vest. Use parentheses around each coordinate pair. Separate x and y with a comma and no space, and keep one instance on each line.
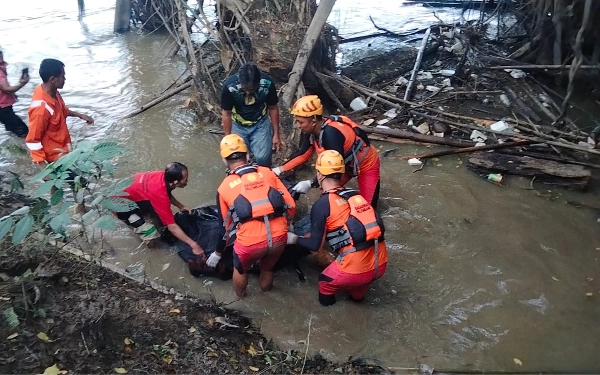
(356,142)
(257,200)
(363,229)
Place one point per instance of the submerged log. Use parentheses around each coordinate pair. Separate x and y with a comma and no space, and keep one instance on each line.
(496,146)
(549,172)
(403,134)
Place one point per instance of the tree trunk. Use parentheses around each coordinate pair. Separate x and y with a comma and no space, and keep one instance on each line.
(312,34)
(122,15)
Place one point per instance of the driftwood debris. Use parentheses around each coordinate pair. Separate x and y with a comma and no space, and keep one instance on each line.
(536,67)
(413,75)
(570,176)
(160,99)
(312,34)
(496,146)
(403,134)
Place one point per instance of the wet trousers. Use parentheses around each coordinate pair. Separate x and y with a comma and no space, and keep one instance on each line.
(12,122)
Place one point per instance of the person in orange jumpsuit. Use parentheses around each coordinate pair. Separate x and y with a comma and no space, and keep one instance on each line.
(352,228)
(48,138)
(255,206)
(338,133)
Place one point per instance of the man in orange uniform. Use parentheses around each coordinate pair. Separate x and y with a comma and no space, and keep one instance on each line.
(48,138)
(338,133)
(256,207)
(352,228)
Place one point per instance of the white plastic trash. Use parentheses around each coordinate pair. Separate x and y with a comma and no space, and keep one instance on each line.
(368,122)
(391,113)
(516,73)
(415,162)
(432,88)
(447,72)
(499,126)
(402,81)
(504,99)
(423,76)
(477,136)
(358,103)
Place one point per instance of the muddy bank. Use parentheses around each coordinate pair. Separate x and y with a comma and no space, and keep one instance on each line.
(61,310)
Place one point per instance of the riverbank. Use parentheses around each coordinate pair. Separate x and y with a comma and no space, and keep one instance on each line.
(60,310)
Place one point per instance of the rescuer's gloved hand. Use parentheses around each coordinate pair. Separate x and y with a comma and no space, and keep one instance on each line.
(213,259)
(277,170)
(302,186)
(291,238)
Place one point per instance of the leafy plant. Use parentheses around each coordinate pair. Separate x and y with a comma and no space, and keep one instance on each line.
(11,317)
(72,180)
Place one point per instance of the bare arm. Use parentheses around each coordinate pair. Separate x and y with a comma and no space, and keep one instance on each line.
(85,118)
(180,234)
(274,117)
(178,204)
(5,87)
(227,121)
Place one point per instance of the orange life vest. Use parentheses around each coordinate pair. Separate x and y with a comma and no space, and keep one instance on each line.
(257,200)
(356,142)
(363,229)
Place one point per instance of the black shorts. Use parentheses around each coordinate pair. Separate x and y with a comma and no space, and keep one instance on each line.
(12,122)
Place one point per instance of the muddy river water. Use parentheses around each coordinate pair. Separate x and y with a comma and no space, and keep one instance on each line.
(479,274)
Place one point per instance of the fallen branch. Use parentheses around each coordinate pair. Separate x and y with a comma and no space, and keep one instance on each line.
(468,149)
(328,90)
(413,75)
(486,130)
(527,111)
(379,96)
(403,134)
(549,157)
(537,67)
(160,99)
(399,141)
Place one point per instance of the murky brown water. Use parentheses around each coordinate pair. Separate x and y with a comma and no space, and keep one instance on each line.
(470,282)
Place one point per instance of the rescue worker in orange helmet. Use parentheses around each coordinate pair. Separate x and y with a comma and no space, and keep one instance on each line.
(337,133)
(351,226)
(255,206)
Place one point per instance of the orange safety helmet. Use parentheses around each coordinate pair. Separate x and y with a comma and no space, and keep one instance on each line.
(330,162)
(307,106)
(231,144)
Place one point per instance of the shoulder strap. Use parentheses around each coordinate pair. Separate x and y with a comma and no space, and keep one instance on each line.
(243,170)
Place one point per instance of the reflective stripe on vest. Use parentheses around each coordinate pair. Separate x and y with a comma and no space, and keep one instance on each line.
(34,146)
(277,208)
(38,103)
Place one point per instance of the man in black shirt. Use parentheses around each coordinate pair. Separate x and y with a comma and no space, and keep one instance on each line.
(249,109)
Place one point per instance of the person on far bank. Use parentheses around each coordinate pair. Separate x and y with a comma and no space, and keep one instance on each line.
(337,133)
(249,109)
(49,138)
(153,191)
(350,225)
(11,121)
(256,207)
